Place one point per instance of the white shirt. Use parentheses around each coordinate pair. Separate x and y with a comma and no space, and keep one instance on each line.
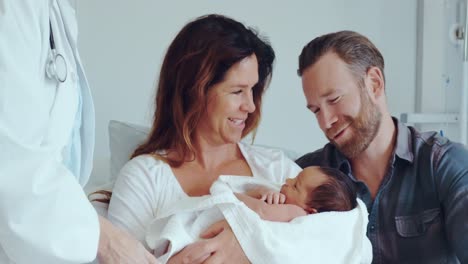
(146,187)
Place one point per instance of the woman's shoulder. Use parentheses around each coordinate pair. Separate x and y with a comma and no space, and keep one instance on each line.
(144,162)
(143,168)
(147,177)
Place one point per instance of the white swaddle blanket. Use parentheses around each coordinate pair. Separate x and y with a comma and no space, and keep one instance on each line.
(330,237)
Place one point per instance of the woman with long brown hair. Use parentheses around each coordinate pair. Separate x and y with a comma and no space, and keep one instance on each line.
(209,97)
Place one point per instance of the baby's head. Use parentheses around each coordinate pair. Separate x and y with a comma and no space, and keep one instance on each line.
(320,189)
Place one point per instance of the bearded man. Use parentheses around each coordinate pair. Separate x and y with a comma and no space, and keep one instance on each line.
(415,184)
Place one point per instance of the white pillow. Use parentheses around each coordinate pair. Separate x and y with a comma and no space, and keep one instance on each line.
(124,138)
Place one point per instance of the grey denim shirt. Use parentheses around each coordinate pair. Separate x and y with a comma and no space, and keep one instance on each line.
(420,212)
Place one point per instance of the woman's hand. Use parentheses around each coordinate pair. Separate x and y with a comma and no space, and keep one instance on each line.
(116,246)
(220,246)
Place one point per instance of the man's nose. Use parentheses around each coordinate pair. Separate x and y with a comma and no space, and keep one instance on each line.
(326,118)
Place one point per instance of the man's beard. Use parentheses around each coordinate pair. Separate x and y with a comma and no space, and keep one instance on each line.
(364,128)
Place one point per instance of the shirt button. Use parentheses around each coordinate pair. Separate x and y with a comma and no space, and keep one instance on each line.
(372,227)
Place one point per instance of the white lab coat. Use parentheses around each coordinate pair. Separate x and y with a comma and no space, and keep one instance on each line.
(45,216)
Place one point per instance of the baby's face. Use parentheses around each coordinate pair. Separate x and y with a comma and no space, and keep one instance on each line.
(297,189)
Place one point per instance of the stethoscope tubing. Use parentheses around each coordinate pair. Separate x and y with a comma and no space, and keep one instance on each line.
(55,57)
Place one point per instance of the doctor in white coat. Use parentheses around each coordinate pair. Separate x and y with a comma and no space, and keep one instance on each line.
(46,144)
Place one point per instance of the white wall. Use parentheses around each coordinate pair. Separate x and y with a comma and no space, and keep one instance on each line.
(122,44)
(441,63)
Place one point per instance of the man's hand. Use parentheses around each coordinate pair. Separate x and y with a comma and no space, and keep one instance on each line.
(220,246)
(116,246)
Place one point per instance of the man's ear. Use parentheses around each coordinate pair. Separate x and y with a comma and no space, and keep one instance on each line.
(311,210)
(375,83)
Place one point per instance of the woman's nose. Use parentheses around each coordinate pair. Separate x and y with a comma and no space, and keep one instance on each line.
(248,104)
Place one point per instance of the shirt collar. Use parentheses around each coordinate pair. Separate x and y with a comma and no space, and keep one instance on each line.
(404,142)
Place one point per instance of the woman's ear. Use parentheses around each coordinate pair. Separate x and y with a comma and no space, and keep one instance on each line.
(311,210)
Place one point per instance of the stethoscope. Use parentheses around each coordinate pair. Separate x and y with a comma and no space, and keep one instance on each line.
(56,67)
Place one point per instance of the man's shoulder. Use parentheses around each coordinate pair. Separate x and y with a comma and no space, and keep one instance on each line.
(435,143)
(431,147)
(429,138)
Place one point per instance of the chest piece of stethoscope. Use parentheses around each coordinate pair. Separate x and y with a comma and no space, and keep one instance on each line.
(56,67)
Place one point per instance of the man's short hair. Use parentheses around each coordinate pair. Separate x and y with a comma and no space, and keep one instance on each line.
(353,48)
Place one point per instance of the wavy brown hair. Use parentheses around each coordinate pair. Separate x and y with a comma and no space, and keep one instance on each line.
(198,58)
